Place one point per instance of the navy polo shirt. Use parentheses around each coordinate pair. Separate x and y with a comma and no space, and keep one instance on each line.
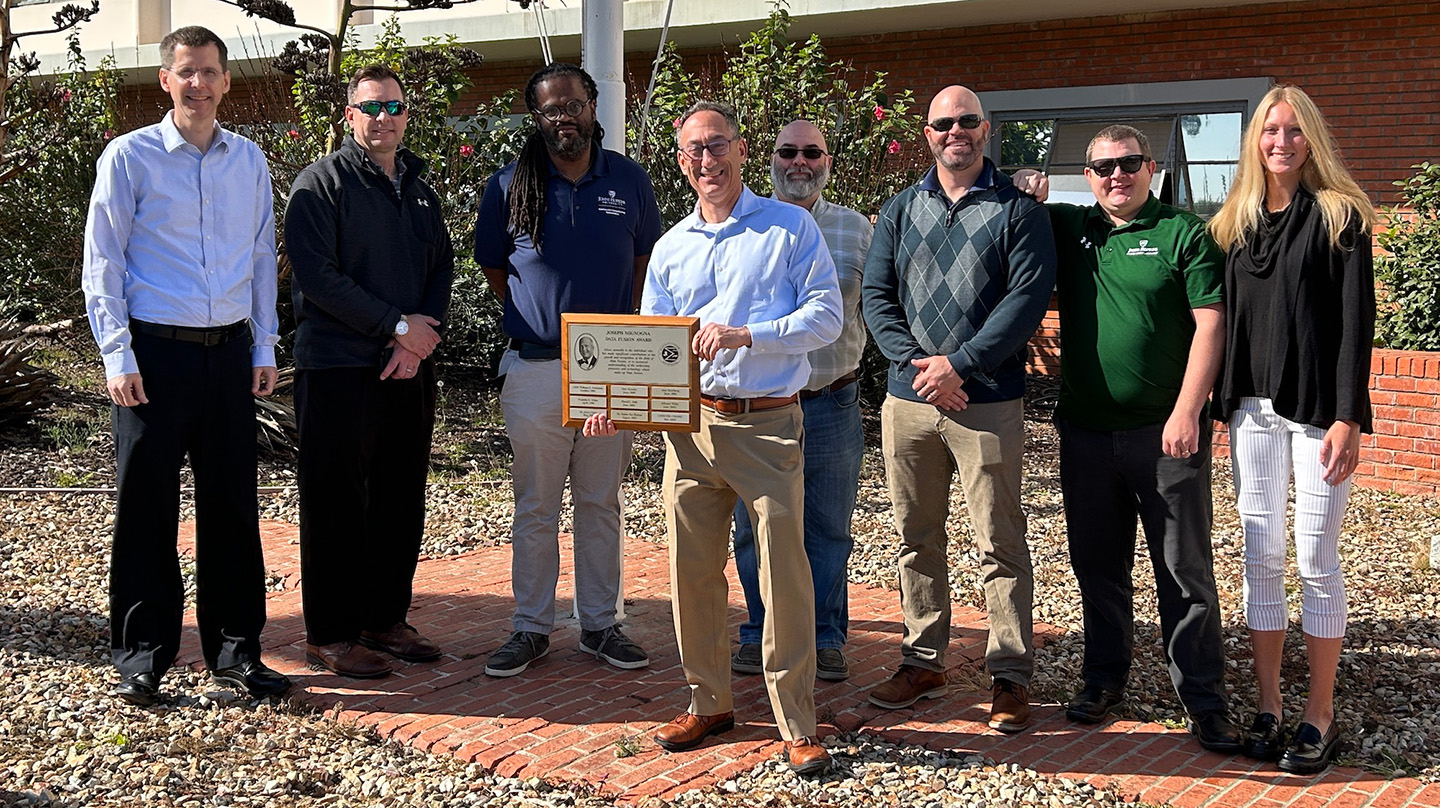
(594,229)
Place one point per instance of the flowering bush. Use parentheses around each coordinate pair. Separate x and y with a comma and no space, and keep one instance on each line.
(771,81)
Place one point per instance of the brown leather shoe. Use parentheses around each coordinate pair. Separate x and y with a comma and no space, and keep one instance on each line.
(1009,706)
(401,641)
(688,730)
(807,756)
(347,659)
(907,686)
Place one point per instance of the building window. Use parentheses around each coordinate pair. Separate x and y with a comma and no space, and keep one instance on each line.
(1194,130)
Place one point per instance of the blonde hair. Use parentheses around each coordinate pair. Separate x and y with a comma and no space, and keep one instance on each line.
(1338,195)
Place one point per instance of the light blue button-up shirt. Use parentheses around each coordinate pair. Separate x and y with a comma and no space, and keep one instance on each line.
(765,267)
(177,237)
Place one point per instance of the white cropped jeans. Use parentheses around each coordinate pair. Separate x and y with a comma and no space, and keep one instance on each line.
(1265,451)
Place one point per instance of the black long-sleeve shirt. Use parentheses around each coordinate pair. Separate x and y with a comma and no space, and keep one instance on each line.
(363,254)
(1300,319)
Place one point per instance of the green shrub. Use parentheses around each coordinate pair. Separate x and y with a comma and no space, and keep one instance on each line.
(1408,316)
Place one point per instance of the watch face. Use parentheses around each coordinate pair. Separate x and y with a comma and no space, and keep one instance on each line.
(402,328)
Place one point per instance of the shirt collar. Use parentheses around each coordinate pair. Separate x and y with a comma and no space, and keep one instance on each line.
(988,178)
(815,210)
(1148,216)
(173,140)
(599,164)
(744,206)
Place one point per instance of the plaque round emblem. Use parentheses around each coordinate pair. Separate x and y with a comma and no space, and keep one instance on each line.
(670,354)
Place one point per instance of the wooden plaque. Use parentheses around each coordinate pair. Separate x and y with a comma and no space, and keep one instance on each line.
(637,368)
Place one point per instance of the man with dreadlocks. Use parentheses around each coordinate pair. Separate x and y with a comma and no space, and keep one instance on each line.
(567,227)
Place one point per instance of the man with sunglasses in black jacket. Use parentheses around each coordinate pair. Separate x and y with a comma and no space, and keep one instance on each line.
(373,266)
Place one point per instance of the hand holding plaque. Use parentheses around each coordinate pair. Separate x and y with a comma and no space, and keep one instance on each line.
(639,370)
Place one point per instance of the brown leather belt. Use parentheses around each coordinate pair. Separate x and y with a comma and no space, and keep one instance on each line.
(740,406)
(839,384)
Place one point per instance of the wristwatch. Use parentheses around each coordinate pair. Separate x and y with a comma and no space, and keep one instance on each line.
(402,327)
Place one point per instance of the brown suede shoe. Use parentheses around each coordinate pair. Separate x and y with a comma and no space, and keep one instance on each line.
(907,686)
(807,756)
(1009,706)
(688,730)
(347,659)
(401,641)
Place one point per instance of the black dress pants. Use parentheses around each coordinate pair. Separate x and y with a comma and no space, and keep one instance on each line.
(364,455)
(1108,479)
(201,405)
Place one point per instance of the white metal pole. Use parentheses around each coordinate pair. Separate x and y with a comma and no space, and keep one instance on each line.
(602,54)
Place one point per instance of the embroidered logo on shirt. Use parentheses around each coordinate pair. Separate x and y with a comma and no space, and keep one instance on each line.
(1143,249)
(611,205)
(1085,242)
(424,203)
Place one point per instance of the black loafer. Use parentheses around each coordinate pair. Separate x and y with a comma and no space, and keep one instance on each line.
(252,677)
(139,689)
(1215,731)
(1092,704)
(1266,738)
(1309,751)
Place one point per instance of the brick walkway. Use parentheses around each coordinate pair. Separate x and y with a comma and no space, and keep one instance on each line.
(567,716)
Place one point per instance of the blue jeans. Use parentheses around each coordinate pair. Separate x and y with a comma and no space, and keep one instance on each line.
(834,446)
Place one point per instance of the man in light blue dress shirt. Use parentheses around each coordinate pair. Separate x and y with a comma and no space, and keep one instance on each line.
(179,282)
(757,274)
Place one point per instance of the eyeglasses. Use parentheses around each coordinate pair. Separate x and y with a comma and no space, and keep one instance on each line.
(717,148)
(965,121)
(789,152)
(573,108)
(1129,164)
(372,108)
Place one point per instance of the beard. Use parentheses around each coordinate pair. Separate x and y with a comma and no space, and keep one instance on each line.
(959,162)
(802,188)
(569,146)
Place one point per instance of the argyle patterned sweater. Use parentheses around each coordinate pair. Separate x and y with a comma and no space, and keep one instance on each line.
(970,281)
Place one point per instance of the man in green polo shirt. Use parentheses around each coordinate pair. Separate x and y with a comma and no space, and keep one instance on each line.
(1142,328)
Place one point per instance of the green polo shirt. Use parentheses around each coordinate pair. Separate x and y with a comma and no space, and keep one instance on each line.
(1126,295)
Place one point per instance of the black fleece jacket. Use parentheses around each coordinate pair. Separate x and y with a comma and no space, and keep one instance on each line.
(362,256)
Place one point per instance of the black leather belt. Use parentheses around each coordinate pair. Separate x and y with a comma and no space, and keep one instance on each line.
(209,337)
(740,406)
(839,384)
(534,350)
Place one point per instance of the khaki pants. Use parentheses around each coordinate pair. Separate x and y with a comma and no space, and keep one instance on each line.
(924,447)
(757,458)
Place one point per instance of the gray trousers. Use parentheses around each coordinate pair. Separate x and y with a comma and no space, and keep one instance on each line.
(924,448)
(546,452)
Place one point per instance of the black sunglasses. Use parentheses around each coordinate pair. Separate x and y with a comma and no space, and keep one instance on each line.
(372,108)
(789,152)
(1130,163)
(965,121)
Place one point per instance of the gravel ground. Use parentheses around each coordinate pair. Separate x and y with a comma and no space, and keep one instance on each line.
(65,742)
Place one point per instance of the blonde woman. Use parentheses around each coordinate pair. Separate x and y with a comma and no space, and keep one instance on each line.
(1300,306)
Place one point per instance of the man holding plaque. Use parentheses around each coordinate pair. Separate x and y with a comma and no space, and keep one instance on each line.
(834,438)
(567,227)
(758,276)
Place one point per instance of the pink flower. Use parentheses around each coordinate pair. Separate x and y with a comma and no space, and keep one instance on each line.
(294,134)
(65,96)
(467,150)
(879,113)
(676,123)
(109,133)
(894,147)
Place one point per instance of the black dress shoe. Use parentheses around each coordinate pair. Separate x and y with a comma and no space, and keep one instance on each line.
(1092,704)
(1215,731)
(252,677)
(1309,751)
(1266,738)
(140,689)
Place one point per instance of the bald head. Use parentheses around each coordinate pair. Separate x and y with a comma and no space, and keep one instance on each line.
(799,178)
(955,101)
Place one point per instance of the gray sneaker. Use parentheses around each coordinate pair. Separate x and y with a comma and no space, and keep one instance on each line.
(746,661)
(516,655)
(830,665)
(611,645)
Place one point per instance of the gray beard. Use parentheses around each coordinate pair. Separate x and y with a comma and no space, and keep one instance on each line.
(785,188)
(579,145)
